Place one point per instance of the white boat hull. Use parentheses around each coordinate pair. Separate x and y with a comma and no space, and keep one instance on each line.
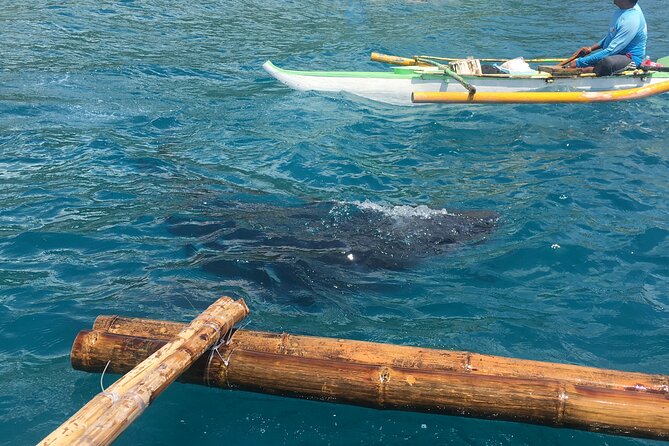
(393,88)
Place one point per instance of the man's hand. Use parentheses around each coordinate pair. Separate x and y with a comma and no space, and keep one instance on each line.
(584,51)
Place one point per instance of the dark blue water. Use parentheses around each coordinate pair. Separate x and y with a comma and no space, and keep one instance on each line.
(123,122)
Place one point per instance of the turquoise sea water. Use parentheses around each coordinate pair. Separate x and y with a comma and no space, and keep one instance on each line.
(121,122)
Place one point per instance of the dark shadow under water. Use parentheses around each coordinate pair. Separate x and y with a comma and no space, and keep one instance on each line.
(299,250)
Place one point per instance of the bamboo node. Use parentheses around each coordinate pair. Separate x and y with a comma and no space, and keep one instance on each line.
(563,397)
(225,339)
(138,400)
(213,324)
(283,343)
(384,376)
(192,354)
(86,441)
(109,323)
(468,363)
(113,396)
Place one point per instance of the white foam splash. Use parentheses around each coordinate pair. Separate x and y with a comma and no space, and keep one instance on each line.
(420,211)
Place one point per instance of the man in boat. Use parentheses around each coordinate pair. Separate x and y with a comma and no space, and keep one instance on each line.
(623,47)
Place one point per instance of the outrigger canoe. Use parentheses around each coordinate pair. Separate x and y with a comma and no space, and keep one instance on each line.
(426,79)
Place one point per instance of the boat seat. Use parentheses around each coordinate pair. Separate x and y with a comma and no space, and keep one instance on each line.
(466,66)
(560,71)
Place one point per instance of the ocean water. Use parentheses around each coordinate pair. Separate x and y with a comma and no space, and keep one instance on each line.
(148,165)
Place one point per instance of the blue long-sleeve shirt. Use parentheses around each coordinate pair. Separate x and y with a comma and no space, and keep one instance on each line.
(627,34)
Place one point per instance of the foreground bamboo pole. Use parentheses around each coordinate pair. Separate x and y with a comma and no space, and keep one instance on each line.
(407,378)
(103,418)
(394,355)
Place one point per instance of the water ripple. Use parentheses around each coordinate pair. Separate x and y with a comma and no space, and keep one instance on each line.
(119,118)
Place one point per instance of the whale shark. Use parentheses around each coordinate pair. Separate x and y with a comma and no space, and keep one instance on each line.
(345,234)
(321,244)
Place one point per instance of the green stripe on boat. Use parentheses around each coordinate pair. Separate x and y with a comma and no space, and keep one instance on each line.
(354,74)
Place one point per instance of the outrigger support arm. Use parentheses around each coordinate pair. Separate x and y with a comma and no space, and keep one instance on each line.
(423,61)
(447,71)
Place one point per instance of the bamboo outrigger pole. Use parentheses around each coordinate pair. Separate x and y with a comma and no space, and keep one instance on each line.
(374,353)
(400,377)
(426,62)
(408,61)
(103,418)
(398,60)
(542,97)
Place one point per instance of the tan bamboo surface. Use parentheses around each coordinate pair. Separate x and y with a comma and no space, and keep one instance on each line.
(105,416)
(397,60)
(406,378)
(399,356)
(407,61)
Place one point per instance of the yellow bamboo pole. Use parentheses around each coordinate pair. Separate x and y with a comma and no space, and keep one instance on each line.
(549,97)
(374,353)
(323,373)
(103,418)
